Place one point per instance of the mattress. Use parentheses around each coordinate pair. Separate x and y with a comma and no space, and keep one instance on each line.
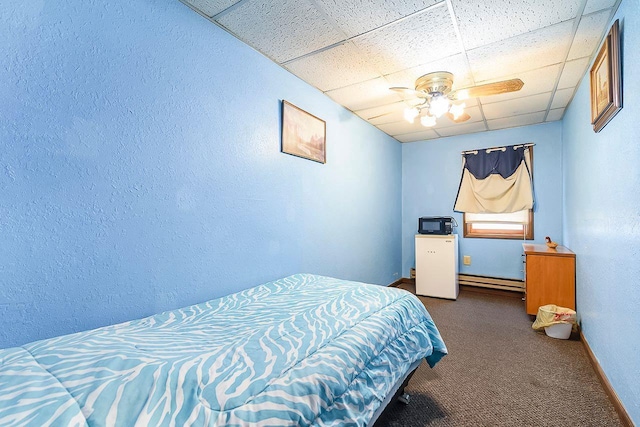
(302,350)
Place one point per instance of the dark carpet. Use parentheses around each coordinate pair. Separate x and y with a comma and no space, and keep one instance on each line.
(500,372)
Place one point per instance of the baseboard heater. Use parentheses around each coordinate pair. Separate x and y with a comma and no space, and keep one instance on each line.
(491,282)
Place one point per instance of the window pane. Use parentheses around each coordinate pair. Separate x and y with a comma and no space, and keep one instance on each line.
(496,226)
(516,225)
(520,217)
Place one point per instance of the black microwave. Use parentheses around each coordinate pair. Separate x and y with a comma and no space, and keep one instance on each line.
(435,225)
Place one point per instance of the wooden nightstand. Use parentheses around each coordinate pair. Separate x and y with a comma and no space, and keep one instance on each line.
(549,277)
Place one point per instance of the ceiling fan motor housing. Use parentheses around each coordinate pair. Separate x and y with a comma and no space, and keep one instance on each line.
(436,83)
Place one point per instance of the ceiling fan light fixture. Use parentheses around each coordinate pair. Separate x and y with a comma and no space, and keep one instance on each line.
(428,121)
(438,106)
(434,95)
(410,114)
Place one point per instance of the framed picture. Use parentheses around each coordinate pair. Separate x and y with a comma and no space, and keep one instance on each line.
(606,85)
(303,134)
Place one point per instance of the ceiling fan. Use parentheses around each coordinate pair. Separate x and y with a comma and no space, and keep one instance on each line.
(437,99)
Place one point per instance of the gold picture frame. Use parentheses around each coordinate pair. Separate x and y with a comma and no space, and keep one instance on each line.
(303,134)
(606,84)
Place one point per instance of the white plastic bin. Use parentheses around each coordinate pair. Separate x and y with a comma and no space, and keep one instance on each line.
(559,330)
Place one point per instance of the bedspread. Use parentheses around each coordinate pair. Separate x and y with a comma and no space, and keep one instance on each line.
(303,350)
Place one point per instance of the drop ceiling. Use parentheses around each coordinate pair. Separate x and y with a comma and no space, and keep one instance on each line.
(354,51)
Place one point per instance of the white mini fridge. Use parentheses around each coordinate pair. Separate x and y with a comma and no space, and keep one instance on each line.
(437,265)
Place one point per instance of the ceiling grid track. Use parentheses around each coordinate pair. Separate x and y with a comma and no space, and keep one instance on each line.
(359,36)
(229,9)
(576,24)
(463,50)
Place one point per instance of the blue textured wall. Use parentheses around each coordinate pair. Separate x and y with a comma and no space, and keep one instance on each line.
(602,220)
(430,179)
(140,170)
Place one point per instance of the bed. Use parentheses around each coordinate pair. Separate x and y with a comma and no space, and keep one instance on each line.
(302,350)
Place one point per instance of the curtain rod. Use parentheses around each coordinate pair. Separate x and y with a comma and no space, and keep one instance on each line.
(498,148)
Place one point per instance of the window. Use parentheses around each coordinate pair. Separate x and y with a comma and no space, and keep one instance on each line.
(516,225)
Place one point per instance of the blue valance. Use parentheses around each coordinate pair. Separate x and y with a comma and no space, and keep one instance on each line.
(504,163)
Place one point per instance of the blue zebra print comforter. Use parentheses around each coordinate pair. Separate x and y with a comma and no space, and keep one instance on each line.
(303,350)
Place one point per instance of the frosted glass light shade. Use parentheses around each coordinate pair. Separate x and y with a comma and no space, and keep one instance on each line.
(428,121)
(457,110)
(438,106)
(410,114)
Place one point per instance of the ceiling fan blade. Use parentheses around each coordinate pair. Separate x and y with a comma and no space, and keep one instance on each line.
(412,92)
(488,89)
(461,118)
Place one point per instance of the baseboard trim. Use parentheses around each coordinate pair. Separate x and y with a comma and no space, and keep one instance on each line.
(476,289)
(492,291)
(399,282)
(613,397)
(513,285)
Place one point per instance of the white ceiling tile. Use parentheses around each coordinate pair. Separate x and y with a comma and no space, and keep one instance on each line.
(402,127)
(455,64)
(368,94)
(485,22)
(593,5)
(461,129)
(555,114)
(536,81)
(333,68)
(513,107)
(588,35)
(211,7)
(282,30)
(357,17)
(573,72)
(417,40)
(522,53)
(562,97)
(384,114)
(417,136)
(521,120)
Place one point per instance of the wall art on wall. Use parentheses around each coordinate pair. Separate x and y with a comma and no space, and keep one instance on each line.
(303,134)
(606,84)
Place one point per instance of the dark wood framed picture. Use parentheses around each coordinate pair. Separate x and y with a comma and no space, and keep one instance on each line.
(303,134)
(606,84)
